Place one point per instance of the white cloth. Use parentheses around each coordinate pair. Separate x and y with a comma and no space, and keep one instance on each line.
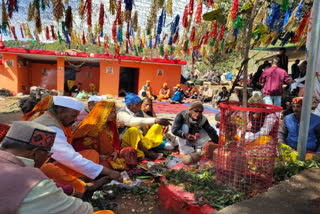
(68,102)
(64,153)
(317,110)
(185,149)
(40,199)
(265,130)
(94,99)
(298,83)
(129,118)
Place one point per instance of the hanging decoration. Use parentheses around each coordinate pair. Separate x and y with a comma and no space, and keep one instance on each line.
(5,19)
(112,7)
(38,21)
(285,5)
(21,30)
(31,11)
(13,31)
(12,6)
(214,32)
(128,8)
(221,33)
(47,33)
(92,38)
(274,15)
(83,38)
(58,10)
(299,10)
(80,7)
(114,32)
(101,19)
(301,27)
(69,19)
(160,24)
(88,8)
(134,22)
(185,17)
(169,8)
(67,37)
(234,9)
(53,35)
(44,4)
(191,3)
(99,42)
(197,18)
(28,32)
(118,18)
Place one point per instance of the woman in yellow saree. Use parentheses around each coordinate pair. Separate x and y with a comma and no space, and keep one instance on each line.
(99,131)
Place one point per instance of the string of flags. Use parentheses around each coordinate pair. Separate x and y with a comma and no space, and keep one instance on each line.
(204,34)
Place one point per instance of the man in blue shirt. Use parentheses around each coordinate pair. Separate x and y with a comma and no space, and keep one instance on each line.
(177,96)
(289,128)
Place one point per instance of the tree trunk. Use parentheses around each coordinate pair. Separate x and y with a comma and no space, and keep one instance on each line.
(241,164)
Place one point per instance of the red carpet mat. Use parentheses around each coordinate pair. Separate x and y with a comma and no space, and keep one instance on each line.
(173,108)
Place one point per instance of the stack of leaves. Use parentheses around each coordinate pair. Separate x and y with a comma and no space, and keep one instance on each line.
(202,182)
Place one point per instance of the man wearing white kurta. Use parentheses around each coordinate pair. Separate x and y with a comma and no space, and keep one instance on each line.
(66,165)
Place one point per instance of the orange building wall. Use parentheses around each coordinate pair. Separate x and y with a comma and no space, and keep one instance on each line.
(81,77)
(60,74)
(48,81)
(109,83)
(9,75)
(23,77)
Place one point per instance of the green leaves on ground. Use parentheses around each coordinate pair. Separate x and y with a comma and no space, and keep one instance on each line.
(202,182)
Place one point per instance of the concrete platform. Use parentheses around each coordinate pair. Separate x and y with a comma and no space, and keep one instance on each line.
(298,195)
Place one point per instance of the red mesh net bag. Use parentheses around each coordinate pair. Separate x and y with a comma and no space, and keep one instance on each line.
(247,146)
(3,131)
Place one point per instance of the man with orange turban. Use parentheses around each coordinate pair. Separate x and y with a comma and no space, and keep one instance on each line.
(164,92)
(289,128)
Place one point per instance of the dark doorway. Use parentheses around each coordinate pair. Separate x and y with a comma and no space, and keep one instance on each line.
(129,78)
(69,74)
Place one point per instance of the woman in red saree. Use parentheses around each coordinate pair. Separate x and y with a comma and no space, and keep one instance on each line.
(99,131)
